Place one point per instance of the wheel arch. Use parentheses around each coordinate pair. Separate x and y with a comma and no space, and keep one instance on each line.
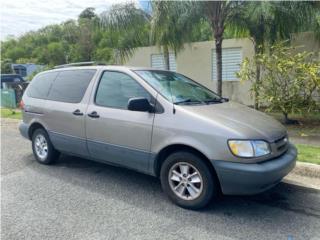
(166,151)
(33,127)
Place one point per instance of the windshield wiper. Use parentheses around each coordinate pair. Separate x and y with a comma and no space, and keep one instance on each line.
(213,100)
(188,100)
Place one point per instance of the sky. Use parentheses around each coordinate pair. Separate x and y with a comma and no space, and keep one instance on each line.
(20,16)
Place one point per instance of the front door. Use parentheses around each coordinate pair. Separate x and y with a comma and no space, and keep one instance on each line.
(115,134)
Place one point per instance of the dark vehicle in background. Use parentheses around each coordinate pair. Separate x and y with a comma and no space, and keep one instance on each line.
(10,78)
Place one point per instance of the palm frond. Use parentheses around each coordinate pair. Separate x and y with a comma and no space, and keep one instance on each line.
(172,23)
(127,23)
(123,16)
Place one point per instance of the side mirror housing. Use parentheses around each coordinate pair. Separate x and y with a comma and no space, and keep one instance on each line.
(139,105)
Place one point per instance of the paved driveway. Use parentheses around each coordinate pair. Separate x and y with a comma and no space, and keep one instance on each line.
(79,199)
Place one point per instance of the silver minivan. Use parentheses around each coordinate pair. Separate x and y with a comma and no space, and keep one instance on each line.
(156,122)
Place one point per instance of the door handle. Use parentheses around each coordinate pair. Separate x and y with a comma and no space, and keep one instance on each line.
(77,112)
(93,114)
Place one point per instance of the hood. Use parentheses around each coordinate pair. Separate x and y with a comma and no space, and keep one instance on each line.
(247,122)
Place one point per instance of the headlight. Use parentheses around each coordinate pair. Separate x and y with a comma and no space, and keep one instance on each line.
(260,148)
(246,148)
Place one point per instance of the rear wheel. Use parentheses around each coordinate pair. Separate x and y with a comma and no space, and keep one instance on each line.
(187,180)
(42,147)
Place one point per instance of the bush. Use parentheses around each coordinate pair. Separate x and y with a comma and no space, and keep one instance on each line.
(290,82)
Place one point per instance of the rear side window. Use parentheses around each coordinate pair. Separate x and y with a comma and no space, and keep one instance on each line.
(40,85)
(70,86)
(116,88)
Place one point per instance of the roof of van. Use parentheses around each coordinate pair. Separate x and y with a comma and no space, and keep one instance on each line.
(106,67)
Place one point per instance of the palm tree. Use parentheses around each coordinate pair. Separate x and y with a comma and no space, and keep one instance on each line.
(171,26)
(219,14)
(173,23)
(128,24)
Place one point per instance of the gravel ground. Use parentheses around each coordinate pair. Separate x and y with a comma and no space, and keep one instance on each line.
(80,199)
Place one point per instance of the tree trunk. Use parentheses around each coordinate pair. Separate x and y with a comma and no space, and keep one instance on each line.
(258,49)
(217,12)
(256,91)
(285,118)
(166,57)
(218,42)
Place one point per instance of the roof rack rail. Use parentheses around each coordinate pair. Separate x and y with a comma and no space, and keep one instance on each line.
(78,64)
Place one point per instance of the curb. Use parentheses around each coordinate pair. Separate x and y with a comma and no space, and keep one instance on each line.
(307,170)
(311,183)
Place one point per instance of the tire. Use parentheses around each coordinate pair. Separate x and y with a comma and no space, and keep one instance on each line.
(42,147)
(185,196)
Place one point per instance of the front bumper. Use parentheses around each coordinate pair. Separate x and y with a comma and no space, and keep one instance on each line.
(248,178)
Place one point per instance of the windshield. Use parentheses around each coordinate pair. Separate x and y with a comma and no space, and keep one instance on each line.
(177,88)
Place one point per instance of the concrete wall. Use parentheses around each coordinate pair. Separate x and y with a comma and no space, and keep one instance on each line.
(306,41)
(195,61)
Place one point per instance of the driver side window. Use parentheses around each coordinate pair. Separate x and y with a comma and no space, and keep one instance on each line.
(116,88)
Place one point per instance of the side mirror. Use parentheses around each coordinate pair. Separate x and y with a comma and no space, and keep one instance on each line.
(139,105)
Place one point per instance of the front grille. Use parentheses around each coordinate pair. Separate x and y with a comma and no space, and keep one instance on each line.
(281,144)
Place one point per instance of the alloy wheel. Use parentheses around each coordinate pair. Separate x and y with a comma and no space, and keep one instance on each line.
(185,181)
(41,147)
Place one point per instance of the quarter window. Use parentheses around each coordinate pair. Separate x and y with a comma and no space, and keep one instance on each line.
(116,88)
(70,86)
(40,85)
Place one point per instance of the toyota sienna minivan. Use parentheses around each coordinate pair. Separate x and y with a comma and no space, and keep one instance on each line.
(159,123)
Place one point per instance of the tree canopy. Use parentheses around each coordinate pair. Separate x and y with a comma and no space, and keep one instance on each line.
(113,36)
(83,39)
(91,37)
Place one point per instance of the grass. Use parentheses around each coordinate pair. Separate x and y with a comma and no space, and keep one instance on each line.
(8,113)
(308,153)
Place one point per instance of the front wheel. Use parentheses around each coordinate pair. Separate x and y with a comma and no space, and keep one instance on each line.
(187,180)
(42,147)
